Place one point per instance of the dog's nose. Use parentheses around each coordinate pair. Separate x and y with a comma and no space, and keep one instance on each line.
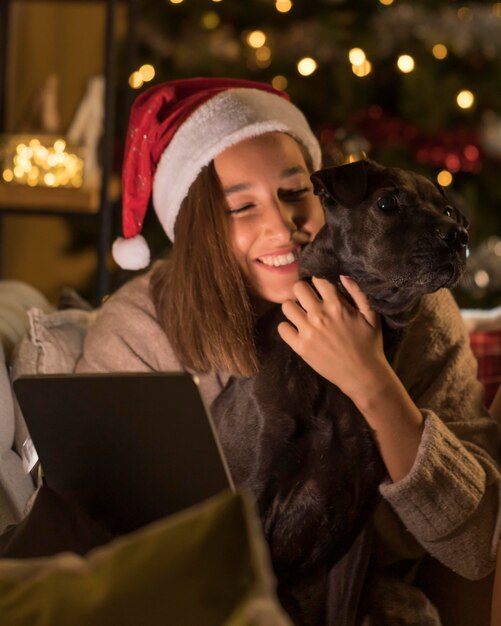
(453,235)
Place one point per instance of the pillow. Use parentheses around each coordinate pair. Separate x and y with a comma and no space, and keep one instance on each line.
(52,345)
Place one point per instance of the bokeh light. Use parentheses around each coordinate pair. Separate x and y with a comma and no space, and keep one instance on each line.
(444,178)
(439,51)
(356,56)
(465,99)
(306,66)
(256,39)
(405,63)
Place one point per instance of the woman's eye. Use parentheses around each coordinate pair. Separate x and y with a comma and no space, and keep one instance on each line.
(448,211)
(240,209)
(388,203)
(296,193)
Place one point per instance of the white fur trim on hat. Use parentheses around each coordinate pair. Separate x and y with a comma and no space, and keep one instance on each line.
(224,120)
(131,254)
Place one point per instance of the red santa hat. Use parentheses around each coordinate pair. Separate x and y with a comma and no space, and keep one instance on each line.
(176,129)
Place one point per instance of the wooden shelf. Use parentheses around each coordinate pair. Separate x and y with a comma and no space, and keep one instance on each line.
(18,198)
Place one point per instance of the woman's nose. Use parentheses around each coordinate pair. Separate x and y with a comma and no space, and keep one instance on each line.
(280,220)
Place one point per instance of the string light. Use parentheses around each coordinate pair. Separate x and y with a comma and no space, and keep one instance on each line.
(263,57)
(175,1)
(263,54)
(147,72)
(306,66)
(256,39)
(356,56)
(444,178)
(363,69)
(439,51)
(279,82)
(283,6)
(136,80)
(34,164)
(386,2)
(465,99)
(405,63)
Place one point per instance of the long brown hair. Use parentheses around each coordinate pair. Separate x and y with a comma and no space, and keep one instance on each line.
(200,296)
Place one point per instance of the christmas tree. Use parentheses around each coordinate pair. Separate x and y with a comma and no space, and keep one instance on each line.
(412,85)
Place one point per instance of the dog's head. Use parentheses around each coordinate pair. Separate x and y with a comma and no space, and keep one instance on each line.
(393,231)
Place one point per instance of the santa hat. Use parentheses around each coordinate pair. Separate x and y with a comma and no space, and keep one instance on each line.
(176,129)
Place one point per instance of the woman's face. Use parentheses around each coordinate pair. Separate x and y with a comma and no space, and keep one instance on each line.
(272,209)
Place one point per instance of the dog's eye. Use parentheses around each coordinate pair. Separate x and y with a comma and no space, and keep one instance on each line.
(448,211)
(388,203)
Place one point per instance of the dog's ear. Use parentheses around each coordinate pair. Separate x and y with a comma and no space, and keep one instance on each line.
(346,184)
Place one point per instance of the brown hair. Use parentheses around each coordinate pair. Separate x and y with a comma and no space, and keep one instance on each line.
(200,296)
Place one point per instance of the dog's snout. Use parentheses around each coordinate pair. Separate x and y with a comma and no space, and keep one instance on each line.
(453,235)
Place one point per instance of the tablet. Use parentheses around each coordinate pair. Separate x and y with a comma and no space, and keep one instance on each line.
(130,448)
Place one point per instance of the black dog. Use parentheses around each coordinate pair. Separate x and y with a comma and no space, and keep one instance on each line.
(294,439)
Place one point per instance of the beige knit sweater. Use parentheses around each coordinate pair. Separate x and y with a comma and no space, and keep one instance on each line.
(448,504)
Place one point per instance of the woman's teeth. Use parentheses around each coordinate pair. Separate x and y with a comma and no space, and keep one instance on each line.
(282,259)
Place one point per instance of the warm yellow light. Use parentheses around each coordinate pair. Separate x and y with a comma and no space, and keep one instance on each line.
(59,145)
(405,63)
(263,54)
(356,56)
(496,9)
(283,6)
(216,0)
(175,1)
(444,178)
(34,144)
(465,99)
(279,82)
(136,80)
(386,2)
(481,278)
(210,20)
(306,66)
(49,179)
(18,171)
(8,176)
(439,51)
(256,39)
(147,72)
(363,69)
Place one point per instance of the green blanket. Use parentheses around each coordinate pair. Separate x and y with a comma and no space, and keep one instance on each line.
(206,566)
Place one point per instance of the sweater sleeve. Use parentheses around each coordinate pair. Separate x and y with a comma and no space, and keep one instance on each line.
(126,335)
(449,500)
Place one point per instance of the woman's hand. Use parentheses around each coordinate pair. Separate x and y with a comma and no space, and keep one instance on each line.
(340,342)
(345,345)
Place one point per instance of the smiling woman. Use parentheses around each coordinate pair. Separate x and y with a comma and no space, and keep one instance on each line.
(228,165)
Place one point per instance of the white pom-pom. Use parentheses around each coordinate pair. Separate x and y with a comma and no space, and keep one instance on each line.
(131,254)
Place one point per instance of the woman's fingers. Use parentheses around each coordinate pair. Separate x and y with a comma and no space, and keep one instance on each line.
(293,312)
(360,300)
(305,295)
